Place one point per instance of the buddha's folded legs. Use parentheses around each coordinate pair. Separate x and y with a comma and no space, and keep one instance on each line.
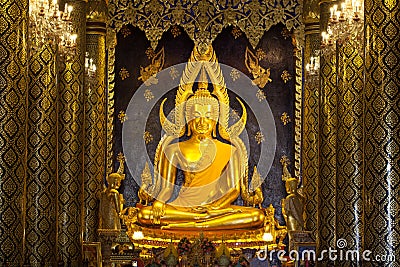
(250,218)
(145,216)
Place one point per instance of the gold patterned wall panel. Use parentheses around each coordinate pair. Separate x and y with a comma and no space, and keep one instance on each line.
(41,218)
(95,136)
(327,154)
(13,93)
(327,148)
(309,149)
(310,139)
(349,210)
(70,146)
(382,130)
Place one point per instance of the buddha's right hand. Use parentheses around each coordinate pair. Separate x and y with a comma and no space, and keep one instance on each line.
(157,211)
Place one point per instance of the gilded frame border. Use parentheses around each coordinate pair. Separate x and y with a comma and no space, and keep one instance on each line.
(88,248)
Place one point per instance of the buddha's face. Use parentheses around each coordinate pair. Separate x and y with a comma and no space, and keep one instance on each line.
(291,186)
(202,119)
(114,181)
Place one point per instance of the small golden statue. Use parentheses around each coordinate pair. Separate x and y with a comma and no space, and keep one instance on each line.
(293,204)
(215,172)
(271,225)
(111,201)
(254,196)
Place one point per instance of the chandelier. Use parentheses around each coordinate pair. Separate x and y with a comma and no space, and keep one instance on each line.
(345,24)
(49,25)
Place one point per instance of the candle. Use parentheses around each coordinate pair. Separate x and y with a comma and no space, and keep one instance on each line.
(73,37)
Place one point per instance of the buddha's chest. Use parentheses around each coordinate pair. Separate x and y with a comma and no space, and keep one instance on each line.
(197,154)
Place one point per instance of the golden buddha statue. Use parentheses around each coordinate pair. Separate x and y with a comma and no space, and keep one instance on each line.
(111,201)
(272,226)
(293,206)
(215,172)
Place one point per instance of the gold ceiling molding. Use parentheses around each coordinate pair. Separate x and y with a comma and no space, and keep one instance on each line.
(204,20)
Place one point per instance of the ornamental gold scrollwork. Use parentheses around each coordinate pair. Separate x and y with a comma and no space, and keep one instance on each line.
(204,20)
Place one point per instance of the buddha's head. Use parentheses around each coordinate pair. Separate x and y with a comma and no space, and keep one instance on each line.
(114,180)
(202,111)
(291,185)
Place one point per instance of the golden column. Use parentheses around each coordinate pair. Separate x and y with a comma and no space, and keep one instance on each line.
(327,145)
(41,218)
(95,117)
(350,85)
(71,144)
(310,119)
(13,112)
(382,131)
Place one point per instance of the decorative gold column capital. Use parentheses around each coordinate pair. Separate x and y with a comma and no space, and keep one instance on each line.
(96,27)
(96,17)
(327,1)
(311,12)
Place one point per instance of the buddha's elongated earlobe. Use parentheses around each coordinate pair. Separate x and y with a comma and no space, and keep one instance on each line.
(189,130)
(214,131)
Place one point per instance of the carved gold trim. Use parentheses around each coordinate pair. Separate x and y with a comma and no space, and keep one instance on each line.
(204,20)
(111,43)
(298,111)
